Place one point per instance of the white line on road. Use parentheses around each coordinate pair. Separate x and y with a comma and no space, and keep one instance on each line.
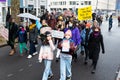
(30,65)
(9,75)
(21,70)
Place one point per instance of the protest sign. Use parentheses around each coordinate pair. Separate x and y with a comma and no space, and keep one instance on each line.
(85,13)
(57,34)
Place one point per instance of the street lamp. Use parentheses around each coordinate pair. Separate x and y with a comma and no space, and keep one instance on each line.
(107,6)
(96,6)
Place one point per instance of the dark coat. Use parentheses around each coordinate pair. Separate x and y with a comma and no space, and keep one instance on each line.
(33,33)
(13,28)
(94,44)
(22,36)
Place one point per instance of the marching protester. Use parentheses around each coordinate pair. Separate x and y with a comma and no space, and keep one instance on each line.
(75,36)
(12,28)
(22,39)
(118,20)
(46,54)
(110,23)
(85,33)
(33,33)
(67,48)
(94,43)
(43,29)
(51,21)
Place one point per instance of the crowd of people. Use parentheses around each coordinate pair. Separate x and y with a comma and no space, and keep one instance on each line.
(78,35)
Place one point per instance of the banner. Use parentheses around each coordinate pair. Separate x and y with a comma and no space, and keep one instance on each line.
(85,13)
(4,32)
(57,34)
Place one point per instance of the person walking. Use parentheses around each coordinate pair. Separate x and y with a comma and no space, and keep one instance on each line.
(75,36)
(94,43)
(12,28)
(85,34)
(46,54)
(33,33)
(22,39)
(110,23)
(67,48)
(118,20)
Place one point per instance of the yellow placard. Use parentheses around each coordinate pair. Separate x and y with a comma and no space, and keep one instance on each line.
(85,13)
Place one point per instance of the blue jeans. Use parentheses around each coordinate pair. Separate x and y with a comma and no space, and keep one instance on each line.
(65,66)
(32,47)
(47,70)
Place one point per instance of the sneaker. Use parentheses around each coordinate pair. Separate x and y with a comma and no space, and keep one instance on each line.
(36,45)
(86,62)
(29,56)
(68,78)
(35,53)
(93,71)
(50,76)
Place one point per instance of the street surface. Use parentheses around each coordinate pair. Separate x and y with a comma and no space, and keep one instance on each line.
(21,68)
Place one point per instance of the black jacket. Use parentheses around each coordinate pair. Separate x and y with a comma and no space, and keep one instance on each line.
(94,44)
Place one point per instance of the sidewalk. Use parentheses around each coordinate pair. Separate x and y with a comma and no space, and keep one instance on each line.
(2,41)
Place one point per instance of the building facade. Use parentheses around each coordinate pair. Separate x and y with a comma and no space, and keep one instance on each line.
(61,5)
(74,4)
(3,11)
(36,7)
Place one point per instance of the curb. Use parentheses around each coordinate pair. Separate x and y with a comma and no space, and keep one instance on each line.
(3,45)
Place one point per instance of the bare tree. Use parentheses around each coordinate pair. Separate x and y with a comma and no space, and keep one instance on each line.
(15,10)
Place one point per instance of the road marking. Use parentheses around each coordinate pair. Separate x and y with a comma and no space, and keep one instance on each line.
(9,75)
(30,65)
(21,70)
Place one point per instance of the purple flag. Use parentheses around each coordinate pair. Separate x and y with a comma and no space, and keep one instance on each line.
(2,0)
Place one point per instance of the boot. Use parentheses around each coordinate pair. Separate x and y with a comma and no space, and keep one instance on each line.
(12,52)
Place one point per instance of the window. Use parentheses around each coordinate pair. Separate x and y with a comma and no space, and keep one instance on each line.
(30,0)
(89,3)
(64,2)
(70,2)
(73,3)
(82,3)
(85,2)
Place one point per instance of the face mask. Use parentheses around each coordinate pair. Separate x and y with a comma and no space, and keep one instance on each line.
(70,25)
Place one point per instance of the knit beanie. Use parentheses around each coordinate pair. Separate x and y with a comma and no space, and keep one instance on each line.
(68,32)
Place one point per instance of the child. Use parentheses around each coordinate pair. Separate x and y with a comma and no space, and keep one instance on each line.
(46,54)
(22,39)
(67,49)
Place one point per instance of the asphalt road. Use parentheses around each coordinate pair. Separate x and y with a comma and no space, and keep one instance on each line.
(20,68)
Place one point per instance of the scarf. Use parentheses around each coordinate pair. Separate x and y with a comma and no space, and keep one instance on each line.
(32,26)
(96,34)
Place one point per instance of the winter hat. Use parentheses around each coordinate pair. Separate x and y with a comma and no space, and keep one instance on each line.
(60,18)
(88,25)
(47,33)
(68,32)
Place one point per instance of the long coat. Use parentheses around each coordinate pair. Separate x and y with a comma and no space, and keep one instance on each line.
(13,28)
(94,46)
